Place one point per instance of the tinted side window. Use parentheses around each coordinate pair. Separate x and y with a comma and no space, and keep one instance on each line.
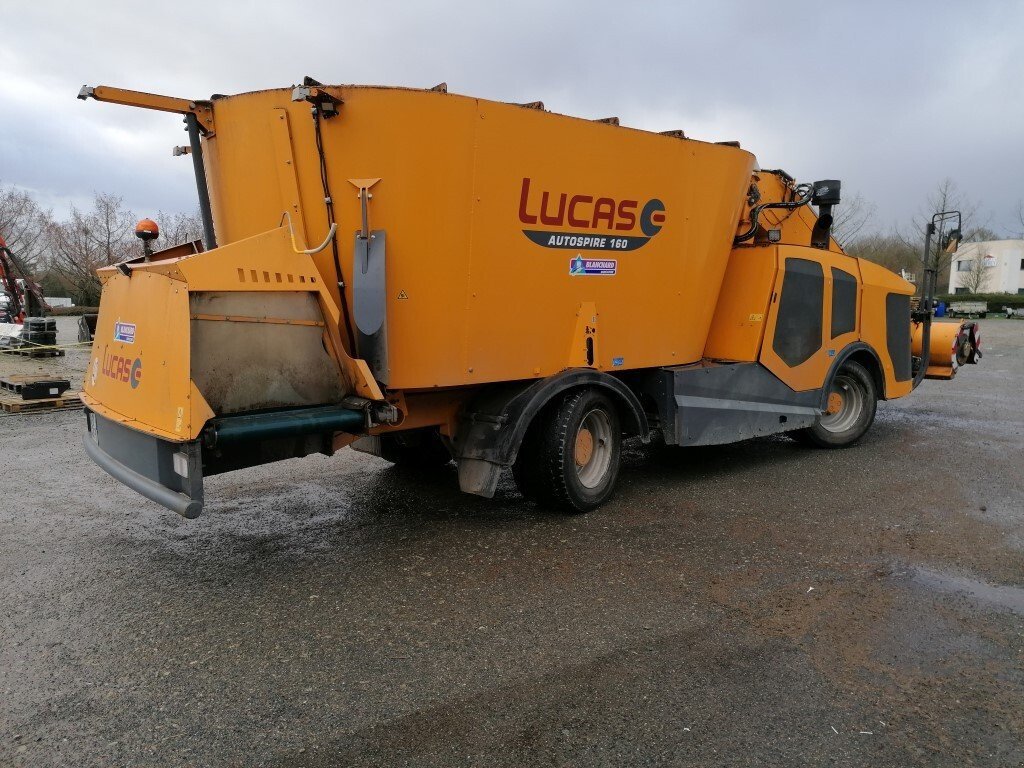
(844,302)
(798,328)
(897,334)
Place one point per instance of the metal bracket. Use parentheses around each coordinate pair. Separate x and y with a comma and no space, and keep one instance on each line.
(319,98)
(364,234)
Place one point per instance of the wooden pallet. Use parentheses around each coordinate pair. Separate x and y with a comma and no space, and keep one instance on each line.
(32,352)
(14,404)
(15,382)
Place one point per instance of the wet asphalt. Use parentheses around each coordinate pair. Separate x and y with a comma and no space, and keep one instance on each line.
(754,604)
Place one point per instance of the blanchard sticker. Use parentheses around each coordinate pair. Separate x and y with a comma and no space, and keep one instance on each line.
(581,266)
(124,332)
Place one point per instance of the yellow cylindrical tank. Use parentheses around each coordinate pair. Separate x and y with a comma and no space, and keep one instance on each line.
(504,225)
(951,346)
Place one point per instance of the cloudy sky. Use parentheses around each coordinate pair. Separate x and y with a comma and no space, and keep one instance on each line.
(889,97)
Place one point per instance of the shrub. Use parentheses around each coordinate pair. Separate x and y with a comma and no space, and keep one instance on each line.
(995,301)
(71,311)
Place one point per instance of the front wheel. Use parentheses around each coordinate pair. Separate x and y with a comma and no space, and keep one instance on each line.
(570,458)
(852,401)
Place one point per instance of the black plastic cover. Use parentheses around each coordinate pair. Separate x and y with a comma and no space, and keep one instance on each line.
(826,192)
(897,334)
(844,302)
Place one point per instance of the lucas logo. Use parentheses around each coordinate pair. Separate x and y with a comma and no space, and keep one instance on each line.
(123,369)
(597,223)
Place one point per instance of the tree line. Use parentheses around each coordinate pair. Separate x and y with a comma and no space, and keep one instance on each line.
(63,254)
(901,247)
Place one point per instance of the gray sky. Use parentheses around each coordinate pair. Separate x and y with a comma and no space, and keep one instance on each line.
(889,97)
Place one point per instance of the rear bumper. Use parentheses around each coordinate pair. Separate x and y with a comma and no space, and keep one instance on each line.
(169,473)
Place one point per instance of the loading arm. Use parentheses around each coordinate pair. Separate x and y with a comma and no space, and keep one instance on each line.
(202,110)
(198,120)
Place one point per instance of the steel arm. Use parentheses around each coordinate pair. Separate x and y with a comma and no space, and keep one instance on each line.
(201,109)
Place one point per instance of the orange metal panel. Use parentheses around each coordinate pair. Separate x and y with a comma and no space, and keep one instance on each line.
(471,298)
(879,282)
(139,373)
(739,321)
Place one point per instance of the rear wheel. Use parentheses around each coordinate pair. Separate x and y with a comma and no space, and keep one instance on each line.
(852,401)
(415,448)
(570,457)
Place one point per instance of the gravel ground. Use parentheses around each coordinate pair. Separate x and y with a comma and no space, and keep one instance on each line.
(754,604)
(71,365)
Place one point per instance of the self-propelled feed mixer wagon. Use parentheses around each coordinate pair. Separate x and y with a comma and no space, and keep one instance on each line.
(432,277)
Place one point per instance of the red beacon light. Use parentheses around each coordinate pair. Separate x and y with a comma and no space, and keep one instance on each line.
(147,231)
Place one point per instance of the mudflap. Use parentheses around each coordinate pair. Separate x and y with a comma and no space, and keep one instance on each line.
(169,473)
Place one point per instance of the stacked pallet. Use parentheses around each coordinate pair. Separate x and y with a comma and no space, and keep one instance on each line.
(38,338)
(23,393)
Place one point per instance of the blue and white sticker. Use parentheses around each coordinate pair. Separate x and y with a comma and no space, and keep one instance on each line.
(581,266)
(124,332)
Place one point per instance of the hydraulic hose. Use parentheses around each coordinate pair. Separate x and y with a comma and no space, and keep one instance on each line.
(329,203)
(805,192)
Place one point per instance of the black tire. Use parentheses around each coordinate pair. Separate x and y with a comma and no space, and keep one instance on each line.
(415,449)
(853,392)
(570,457)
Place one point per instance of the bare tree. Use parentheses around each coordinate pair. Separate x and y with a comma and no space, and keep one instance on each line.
(976,276)
(89,240)
(887,249)
(24,225)
(850,219)
(945,197)
(178,228)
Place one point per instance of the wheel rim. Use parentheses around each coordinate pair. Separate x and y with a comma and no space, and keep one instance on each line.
(593,448)
(846,401)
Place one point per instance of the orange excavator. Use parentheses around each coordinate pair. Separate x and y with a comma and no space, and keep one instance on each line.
(24,297)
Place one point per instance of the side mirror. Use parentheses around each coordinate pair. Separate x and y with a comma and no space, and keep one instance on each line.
(952,241)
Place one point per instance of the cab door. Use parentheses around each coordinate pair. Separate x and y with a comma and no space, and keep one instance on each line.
(814,313)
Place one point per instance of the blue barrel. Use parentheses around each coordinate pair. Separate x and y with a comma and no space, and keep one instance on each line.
(940,309)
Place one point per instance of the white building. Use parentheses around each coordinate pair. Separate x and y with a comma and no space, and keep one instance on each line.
(993,266)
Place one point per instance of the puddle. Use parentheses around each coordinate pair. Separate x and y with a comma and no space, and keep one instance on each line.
(997,596)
